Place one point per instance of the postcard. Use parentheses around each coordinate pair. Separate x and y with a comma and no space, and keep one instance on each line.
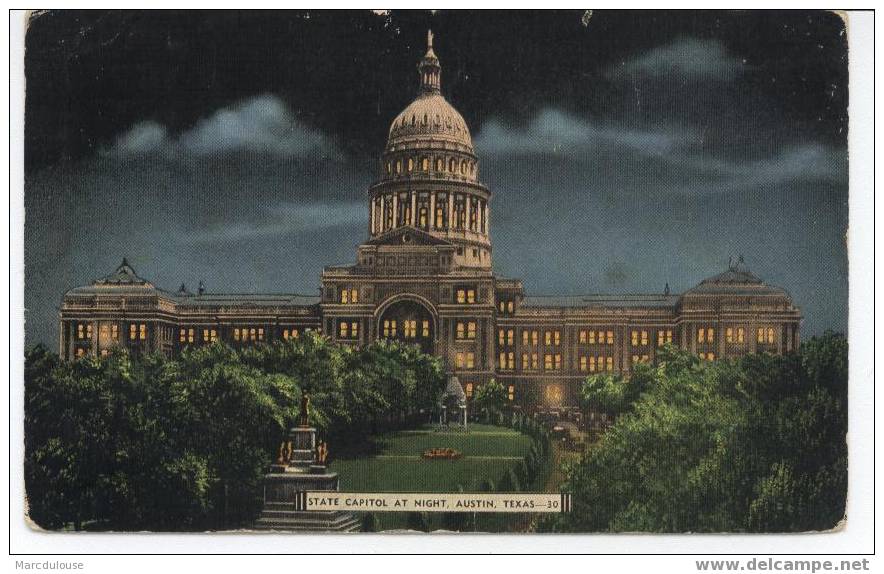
(436,271)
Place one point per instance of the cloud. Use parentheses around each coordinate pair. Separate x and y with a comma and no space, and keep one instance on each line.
(692,57)
(557,133)
(262,124)
(677,162)
(282,219)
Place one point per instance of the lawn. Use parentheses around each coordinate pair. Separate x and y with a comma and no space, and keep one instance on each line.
(488,452)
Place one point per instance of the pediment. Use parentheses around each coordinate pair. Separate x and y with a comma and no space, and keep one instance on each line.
(406,236)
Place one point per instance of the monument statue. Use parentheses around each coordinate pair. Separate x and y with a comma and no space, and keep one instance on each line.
(304,415)
(321,453)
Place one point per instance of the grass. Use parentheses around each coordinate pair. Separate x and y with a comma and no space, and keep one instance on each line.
(488,452)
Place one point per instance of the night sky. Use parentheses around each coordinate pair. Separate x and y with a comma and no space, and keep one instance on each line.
(625,150)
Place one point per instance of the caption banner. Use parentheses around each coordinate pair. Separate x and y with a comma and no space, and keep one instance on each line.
(430,502)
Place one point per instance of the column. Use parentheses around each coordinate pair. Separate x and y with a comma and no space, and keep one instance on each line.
(624,348)
(413,221)
(721,340)
(371,220)
(395,210)
(753,337)
(432,211)
(450,211)
(95,338)
(469,207)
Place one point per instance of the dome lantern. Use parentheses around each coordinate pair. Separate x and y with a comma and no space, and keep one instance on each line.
(430,70)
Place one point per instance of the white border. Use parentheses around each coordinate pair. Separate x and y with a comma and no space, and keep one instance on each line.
(856,537)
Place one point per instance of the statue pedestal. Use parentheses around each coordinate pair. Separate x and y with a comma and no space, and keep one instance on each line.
(283,483)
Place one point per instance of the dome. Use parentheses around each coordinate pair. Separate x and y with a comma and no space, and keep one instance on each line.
(430,116)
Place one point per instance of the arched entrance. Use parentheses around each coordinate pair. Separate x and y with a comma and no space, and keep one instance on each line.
(408,321)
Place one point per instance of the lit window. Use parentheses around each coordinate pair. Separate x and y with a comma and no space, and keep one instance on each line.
(190,335)
(535,361)
(460,331)
(469,390)
(592,364)
(770,335)
(458,360)
(142,331)
(502,360)
(558,362)
(729,335)
(425,164)
(584,364)
(610,336)
(345,296)
(591,337)
(610,363)
(644,337)
(547,362)
(389,328)
(115,332)
(761,335)
(710,335)
(398,166)
(510,337)
(343,330)
(510,307)
(664,337)
(740,335)
(471,330)
(471,360)
(461,296)
(133,332)
(440,165)
(471,295)
(236,334)
(525,361)
(701,335)
(511,392)
(534,338)
(410,164)
(410,326)
(582,337)
(452,165)
(635,338)
(525,338)
(182,335)
(425,328)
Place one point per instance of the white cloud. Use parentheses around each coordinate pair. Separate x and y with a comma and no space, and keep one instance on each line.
(708,59)
(262,124)
(683,156)
(555,132)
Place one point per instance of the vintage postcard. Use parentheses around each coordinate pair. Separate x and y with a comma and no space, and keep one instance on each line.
(463,271)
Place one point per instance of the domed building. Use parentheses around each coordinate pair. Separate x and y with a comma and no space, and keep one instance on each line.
(424,275)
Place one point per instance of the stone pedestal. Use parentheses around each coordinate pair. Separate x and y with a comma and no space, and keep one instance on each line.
(286,480)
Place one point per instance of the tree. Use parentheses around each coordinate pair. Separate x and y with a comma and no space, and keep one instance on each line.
(146,442)
(756,444)
(490,398)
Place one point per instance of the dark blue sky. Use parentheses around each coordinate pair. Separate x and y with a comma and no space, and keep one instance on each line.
(624,151)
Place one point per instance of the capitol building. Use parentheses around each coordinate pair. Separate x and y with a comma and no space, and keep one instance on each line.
(424,275)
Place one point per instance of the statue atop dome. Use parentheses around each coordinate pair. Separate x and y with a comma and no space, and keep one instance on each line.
(430,70)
